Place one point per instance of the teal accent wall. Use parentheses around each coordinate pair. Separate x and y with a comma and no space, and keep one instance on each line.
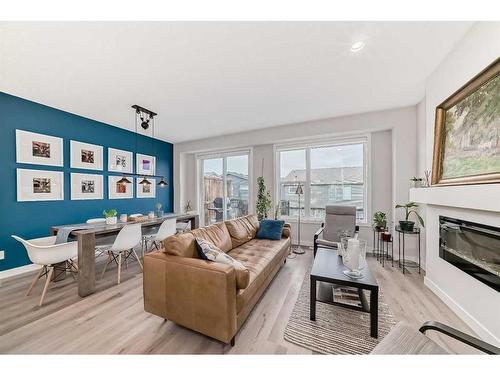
(33,219)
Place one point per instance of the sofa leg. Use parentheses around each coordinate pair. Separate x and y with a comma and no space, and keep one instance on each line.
(284,261)
(233,341)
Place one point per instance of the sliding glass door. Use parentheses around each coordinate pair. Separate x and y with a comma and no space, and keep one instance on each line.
(224,187)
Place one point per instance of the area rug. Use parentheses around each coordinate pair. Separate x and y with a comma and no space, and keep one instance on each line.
(337,330)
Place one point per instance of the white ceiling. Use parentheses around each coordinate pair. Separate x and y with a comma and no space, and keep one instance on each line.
(215,78)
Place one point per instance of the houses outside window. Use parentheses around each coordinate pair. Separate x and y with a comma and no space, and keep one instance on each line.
(224,186)
(331,174)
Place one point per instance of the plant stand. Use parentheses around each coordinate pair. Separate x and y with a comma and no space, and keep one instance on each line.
(401,233)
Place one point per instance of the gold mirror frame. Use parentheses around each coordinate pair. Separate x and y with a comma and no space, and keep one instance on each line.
(488,74)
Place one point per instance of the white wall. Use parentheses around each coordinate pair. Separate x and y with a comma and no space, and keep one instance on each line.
(393,158)
(476,303)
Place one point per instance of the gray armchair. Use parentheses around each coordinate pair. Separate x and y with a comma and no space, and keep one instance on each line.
(338,219)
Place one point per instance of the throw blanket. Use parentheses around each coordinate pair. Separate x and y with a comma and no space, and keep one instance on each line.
(64,232)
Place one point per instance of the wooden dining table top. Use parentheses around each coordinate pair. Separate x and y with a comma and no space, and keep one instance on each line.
(103,228)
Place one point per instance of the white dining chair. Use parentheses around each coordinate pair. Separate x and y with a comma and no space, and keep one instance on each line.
(124,246)
(45,252)
(167,229)
(100,242)
(182,227)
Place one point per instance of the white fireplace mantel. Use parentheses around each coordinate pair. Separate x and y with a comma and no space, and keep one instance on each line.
(475,197)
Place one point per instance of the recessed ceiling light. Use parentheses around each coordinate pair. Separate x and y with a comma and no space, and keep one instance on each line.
(357,46)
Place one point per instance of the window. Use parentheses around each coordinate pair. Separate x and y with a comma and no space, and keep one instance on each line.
(331,174)
(224,187)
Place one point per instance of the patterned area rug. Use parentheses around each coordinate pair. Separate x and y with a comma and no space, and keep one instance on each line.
(337,330)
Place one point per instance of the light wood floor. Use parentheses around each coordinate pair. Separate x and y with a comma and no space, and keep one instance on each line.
(113,319)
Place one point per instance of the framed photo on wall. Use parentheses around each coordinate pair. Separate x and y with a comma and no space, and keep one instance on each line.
(37,185)
(85,156)
(35,148)
(146,164)
(120,191)
(467,132)
(144,190)
(120,160)
(86,186)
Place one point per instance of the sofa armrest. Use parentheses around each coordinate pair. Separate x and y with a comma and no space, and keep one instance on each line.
(194,293)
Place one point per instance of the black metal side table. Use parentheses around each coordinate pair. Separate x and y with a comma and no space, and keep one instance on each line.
(385,241)
(404,263)
(377,241)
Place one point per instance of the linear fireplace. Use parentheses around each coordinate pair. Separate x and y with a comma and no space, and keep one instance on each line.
(473,248)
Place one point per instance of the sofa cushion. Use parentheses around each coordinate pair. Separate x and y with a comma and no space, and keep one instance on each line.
(270,229)
(242,229)
(208,251)
(216,234)
(259,257)
(181,245)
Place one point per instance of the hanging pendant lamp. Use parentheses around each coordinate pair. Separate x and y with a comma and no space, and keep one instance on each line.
(145,181)
(124,180)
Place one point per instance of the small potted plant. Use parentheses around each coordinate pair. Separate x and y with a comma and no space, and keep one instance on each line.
(187,207)
(159,211)
(110,216)
(379,220)
(410,208)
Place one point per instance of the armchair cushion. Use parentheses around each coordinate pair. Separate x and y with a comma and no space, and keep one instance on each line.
(270,229)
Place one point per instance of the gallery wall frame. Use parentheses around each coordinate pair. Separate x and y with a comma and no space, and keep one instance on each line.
(145,190)
(39,185)
(145,165)
(86,156)
(86,186)
(40,149)
(467,132)
(118,190)
(120,160)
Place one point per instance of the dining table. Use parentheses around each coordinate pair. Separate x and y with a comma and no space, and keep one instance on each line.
(86,236)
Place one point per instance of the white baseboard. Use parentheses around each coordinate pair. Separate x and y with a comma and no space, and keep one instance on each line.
(18,271)
(472,322)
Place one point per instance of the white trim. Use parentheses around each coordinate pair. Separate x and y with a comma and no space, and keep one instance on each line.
(314,142)
(18,271)
(472,322)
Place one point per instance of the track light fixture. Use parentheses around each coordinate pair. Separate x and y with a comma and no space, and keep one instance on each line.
(146,118)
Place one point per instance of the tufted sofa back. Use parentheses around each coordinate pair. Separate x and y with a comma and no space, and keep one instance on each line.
(226,236)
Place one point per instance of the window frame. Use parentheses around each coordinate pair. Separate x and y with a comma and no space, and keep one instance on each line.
(223,154)
(365,139)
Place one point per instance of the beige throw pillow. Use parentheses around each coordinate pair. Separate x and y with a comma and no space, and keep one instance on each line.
(208,251)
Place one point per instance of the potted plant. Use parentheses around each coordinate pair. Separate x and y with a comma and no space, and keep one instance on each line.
(187,207)
(379,220)
(110,216)
(263,200)
(407,225)
(159,211)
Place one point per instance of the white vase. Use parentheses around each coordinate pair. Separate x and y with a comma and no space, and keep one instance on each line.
(111,220)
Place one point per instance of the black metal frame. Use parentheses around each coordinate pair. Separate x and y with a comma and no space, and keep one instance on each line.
(460,336)
(318,232)
(404,263)
(372,309)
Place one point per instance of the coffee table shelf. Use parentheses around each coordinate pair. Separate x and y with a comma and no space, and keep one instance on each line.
(328,268)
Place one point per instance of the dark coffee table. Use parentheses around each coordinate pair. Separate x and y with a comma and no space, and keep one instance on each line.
(328,268)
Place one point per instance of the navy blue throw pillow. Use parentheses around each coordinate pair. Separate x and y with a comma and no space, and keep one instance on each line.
(270,229)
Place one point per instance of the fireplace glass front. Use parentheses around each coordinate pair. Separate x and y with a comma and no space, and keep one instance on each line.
(473,248)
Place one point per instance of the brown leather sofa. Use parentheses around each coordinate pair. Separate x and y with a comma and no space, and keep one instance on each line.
(208,297)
